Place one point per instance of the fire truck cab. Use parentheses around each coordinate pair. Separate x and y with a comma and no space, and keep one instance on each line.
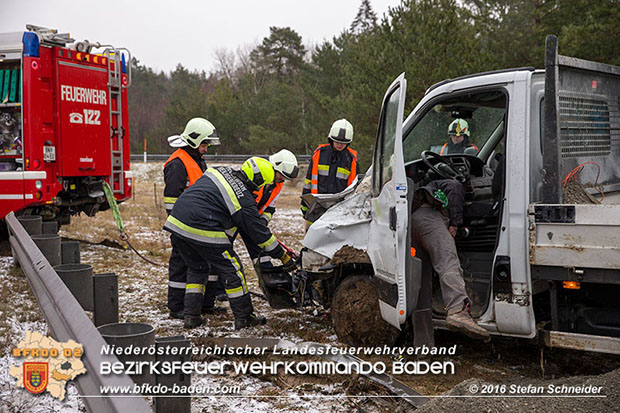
(64,127)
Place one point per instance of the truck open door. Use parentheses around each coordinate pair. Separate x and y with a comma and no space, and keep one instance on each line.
(389,245)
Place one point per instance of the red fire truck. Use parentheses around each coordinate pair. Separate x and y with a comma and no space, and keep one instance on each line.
(64,126)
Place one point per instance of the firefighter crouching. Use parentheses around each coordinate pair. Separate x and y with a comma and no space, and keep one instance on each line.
(286,168)
(201,222)
(182,169)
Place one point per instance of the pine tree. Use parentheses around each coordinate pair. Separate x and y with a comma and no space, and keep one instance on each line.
(365,20)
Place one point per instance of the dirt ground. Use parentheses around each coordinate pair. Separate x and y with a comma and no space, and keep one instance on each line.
(142,298)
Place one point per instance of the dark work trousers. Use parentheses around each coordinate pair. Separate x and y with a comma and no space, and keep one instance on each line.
(177,279)
(430,230)
(202,260)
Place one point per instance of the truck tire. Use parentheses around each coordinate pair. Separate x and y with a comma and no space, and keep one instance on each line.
(356,315)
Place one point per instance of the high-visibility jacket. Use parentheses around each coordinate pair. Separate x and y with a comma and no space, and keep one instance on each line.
(181,170)
(215,207)
(330,171)
(450,148)
(266,198)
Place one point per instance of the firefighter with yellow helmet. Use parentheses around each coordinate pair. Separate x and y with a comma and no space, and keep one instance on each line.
(286,168)
(202,223)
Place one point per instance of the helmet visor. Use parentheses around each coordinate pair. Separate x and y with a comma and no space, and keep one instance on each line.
(212,139)
(292,174)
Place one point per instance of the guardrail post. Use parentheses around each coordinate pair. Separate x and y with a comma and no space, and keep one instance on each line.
(79,279)
(137,335)
(31,223)
(70,252)
(105,288)
(173,404)
(49,244)
(49,227)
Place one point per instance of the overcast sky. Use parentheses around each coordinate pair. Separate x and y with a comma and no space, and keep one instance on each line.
(163,33)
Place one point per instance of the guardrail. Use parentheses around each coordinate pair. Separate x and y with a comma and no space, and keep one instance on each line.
(158,157)
(67,321)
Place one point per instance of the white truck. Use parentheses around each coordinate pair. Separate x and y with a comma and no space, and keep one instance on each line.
(539,250)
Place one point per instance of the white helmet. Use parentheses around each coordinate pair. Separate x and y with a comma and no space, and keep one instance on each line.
(286,163)
(341,131)
(458,127)
(198,131)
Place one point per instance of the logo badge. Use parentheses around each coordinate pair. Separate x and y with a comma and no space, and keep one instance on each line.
(35,376)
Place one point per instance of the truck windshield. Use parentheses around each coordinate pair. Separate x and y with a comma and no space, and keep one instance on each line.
(462,124)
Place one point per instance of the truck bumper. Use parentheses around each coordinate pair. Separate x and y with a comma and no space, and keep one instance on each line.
(576,341)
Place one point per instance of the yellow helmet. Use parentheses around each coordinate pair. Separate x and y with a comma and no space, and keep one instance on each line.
(258,170)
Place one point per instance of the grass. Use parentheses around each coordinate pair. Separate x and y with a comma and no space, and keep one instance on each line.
(22,307)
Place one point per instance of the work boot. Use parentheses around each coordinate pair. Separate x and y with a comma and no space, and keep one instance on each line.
(250,321)
(177,315)
(462,321)
(214,310)
(192,321)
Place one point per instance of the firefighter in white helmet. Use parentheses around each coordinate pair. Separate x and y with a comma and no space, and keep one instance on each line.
(458,138)
(333,166)
(182,170)
(202,223)
(285,165)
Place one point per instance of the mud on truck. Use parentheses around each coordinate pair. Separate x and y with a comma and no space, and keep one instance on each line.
(540,246)
(63,124)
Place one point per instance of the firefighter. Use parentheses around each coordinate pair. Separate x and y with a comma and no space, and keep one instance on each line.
(202,223)
(333,166)
(285,165)
(458,138)
(181,170)
(437,213)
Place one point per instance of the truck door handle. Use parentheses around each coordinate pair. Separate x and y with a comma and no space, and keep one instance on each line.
(393,218)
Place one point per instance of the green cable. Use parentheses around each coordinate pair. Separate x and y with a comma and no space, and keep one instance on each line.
(113,206)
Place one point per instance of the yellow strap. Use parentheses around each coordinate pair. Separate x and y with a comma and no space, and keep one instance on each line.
(227,187)
(267,243)
(195,286)
(201,232)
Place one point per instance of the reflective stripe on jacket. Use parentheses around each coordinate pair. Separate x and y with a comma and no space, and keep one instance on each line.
(218,203)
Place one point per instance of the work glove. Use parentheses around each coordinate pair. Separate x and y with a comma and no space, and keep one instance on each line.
(288,262)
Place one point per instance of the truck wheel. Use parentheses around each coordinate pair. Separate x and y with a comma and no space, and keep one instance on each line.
(356,315)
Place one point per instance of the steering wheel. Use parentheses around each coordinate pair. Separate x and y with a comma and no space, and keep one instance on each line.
(443,167)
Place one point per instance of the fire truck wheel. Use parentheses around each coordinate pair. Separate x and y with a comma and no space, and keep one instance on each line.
(356,315)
